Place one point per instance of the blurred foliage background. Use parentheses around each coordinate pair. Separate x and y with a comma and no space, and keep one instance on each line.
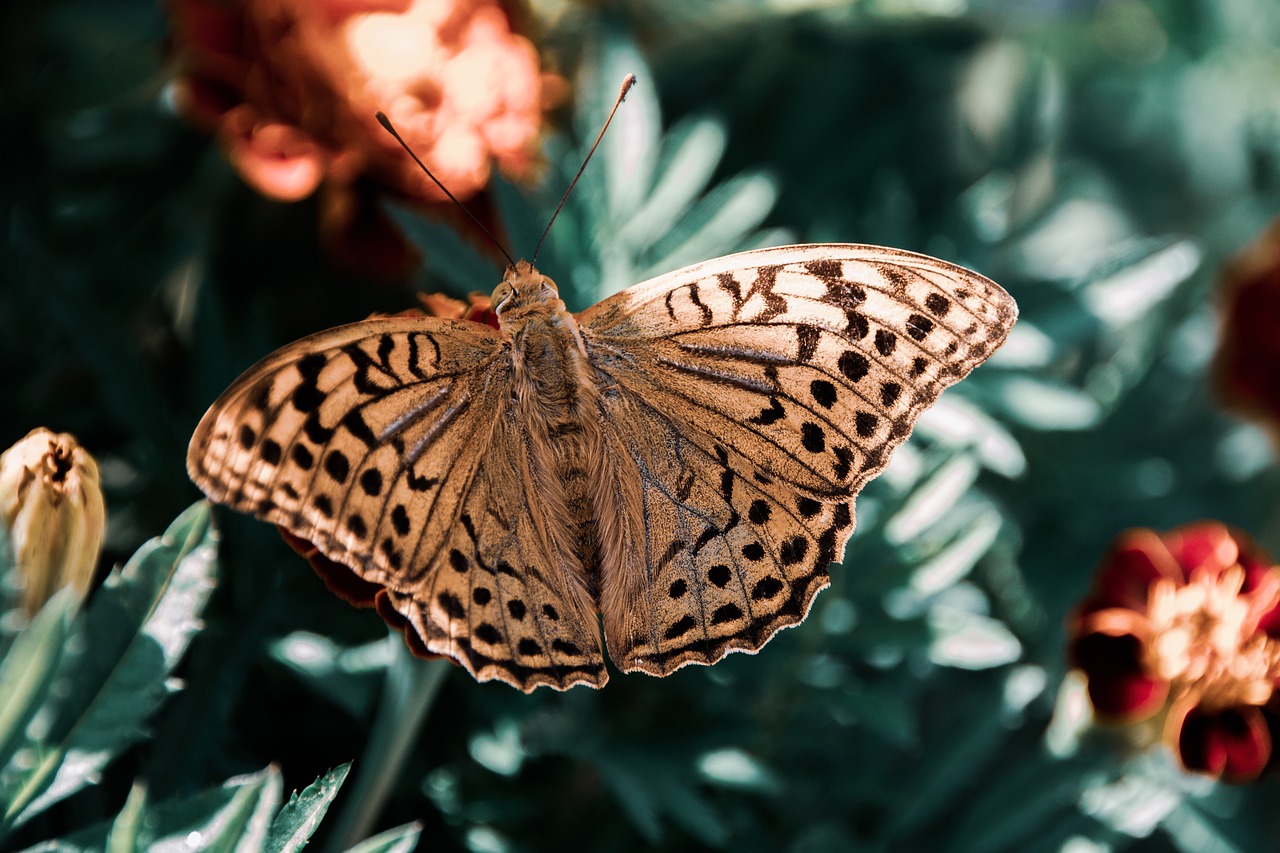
(1098,158)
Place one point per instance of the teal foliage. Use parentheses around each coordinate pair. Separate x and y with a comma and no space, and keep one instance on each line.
(1100,160)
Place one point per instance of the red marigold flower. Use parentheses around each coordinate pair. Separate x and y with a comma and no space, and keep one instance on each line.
(1248,359)
(1186,622)
(291,89)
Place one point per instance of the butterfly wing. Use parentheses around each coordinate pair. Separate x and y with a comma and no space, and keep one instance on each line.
(747,400)
(391,445)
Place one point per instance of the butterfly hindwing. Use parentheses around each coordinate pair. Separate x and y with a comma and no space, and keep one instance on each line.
(753,396)
(497,598)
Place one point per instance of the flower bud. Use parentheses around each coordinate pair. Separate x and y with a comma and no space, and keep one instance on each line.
(53,515)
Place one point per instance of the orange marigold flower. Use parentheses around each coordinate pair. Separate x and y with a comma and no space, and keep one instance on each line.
(478,308)
(1248,359)
(291,88)
(1188,623)
(341,579)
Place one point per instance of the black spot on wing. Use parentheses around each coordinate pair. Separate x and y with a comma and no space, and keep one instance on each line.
(355,424)
(853,365)
(371,482)
(336,465)
(765,588)
(270,451)
(450,604)
(680,627)
(823,392)
(302,456)
(827,269)
(774,304)
(726,613)
(774,413)
(812,437)
(919,326)
(807,340)
(315,432)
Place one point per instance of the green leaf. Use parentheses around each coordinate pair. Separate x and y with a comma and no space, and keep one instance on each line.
(637,800)
(691,152)
(882,711)
(402,839)
(27,674)
(128,825)
(246,820)
(303,813)
(136,630)
(648,787)
(11,620)
(348,677)
(1193,832)
(630,148)
(717,223)
(228,817)
(451,257)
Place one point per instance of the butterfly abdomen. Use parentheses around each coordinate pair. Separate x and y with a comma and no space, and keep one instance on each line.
(557,407)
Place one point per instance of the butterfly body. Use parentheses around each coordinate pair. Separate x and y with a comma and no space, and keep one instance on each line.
(679,460)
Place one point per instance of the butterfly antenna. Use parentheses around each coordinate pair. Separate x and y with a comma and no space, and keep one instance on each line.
(386,123)
(622,93)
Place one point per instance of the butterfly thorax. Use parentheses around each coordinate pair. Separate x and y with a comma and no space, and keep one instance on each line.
(551,371)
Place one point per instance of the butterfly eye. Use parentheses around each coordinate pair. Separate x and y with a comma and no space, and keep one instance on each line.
(501,294)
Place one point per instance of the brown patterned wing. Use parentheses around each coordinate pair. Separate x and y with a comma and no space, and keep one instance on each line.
(388,445)
(748,400)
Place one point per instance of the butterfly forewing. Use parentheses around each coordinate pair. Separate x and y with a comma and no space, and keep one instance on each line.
(369,441)
(754,395)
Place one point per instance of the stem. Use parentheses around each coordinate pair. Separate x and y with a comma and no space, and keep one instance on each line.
(407,695)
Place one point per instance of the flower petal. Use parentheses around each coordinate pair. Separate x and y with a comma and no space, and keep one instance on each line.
(1234,743)
(1256,562)
(1203,547)
(1138,558)
(1119,687)
(278,160)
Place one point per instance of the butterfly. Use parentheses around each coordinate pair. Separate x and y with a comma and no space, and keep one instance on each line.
(678,462)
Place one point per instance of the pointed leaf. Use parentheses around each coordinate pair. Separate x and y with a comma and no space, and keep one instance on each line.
(128,825)
(246,821)
(716,224)
(136,631)
(691,152)
(630,148)
(402,839)
(27,674)
(449,256)
(303,813)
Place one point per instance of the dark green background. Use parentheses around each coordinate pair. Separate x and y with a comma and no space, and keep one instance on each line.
(1088,156)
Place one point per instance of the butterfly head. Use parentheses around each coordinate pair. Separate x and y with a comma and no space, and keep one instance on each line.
(523,287)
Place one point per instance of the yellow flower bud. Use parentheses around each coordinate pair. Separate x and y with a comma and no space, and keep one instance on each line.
(52,511)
